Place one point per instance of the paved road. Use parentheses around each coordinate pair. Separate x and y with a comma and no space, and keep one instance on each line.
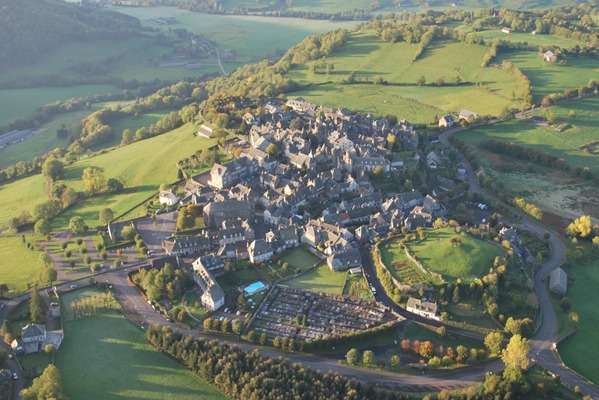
(542,343)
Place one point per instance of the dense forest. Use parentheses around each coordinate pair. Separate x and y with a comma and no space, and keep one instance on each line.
(30,29)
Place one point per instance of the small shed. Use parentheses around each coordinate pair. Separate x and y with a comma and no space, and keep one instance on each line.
(548,56)
(558,281)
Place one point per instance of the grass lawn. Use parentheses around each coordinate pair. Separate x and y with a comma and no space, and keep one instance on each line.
(539,39)
(320,279)
(18,265)
(470,260)
(580,352)
(106,356)
(547,78)
(142,176)
(300,258)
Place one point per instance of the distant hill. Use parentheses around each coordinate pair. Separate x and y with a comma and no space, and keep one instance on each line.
(32,28)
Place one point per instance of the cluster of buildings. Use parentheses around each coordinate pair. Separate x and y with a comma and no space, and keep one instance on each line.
(310,190)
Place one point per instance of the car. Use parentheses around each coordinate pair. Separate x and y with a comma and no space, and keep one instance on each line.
(238,313)
(226,310)
(54,304)
(73,286)
(15,376)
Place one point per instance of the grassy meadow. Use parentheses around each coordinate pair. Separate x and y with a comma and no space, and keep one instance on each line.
(17,103)
(251,37)
(320,279)
(18,265)
(142,176)
(107,356)
(484,90)
(470,260)
(299,258)
(579,352)
(552,190)
(547,78)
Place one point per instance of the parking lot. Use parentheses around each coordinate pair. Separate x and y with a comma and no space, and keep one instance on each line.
(153,232)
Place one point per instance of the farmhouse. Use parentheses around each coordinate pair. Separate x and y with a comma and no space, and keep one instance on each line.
(426,309)
(506,30)
(558,281)
(446,122)
(549,56)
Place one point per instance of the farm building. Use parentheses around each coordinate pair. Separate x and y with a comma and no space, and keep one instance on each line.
(506,30)
(446,122)
(558,281)
(549,56)
(466,114)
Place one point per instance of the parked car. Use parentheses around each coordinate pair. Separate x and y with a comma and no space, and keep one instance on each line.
(73,286)
(15,376)
(54,304)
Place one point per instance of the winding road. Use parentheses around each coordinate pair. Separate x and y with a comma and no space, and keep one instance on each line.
(542,344)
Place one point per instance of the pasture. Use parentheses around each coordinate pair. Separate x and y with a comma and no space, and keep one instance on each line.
(142,176)
(579,352)
(484,90)
(18,265)
(251,37)
(320,279)
(560,194)
(107,356)
(17,103)
(525,37)
(547,78)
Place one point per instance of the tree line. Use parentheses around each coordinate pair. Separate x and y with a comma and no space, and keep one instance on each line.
(243,375)
(534,156)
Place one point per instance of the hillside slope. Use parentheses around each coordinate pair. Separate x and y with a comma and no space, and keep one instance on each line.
(32,28)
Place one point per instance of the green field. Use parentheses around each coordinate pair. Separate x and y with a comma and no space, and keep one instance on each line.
(484,90)
(579,352)
(561,194)
(320,279)
(547,78)
(18,265)
(401,267)
(252,37)
(470,260)
(299,258)
(142,176)
(524,37)
(106,356)
(17,103)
